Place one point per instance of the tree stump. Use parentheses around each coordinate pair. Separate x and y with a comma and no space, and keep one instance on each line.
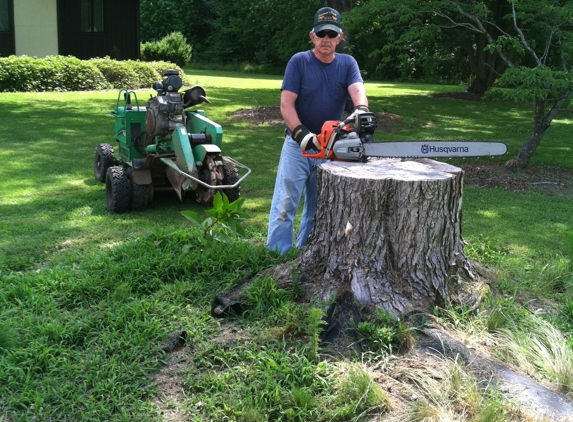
(390,232)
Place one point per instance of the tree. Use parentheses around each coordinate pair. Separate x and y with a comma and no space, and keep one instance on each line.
(516,49)
(485,64)
(158,18)
(404,39)
(538,51)
(256,32)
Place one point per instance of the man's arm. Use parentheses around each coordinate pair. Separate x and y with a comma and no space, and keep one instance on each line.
(288,111)
(302,136)
(357,93)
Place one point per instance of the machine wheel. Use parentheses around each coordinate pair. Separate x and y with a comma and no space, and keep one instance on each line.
(139,196)
(212,174)
(117,190)
(230,177)
(104,158)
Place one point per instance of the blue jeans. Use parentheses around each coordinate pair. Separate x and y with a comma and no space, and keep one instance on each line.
(296,175)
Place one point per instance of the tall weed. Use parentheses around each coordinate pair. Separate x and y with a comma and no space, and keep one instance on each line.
(537,347)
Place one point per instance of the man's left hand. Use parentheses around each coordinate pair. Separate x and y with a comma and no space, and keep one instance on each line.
(358,110)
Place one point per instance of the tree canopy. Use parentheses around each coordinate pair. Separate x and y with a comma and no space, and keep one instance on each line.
(537,49)
(513,49)
(264,33)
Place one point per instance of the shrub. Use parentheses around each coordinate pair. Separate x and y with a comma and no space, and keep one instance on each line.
(133,74)
(54,73)
(129,74)
(67,73)
(161,66)
(172,48)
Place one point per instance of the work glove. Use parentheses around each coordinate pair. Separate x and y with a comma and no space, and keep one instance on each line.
(305,138)
(358,110)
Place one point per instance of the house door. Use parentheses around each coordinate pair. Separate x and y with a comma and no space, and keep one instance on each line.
(7,45)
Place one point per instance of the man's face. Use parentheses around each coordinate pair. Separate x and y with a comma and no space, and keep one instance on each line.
(323,43)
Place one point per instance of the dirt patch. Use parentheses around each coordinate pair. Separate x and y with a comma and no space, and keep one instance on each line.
(169,381)
(387,122)
(551,181)
(464,95)
(170,403)
(259,116)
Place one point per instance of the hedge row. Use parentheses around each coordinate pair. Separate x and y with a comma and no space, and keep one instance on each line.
(67,73)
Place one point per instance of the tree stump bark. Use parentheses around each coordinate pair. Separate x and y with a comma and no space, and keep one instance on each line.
(390,232)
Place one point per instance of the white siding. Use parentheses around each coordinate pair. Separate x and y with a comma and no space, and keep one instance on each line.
(36,27)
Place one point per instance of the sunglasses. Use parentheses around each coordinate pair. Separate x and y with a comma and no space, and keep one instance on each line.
(330,34)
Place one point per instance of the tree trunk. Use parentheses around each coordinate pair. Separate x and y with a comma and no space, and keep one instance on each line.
(389,232)
(486,67)
(528,148)
(541,123)
(342,6)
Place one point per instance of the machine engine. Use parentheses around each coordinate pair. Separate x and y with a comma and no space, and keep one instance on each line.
(166,110)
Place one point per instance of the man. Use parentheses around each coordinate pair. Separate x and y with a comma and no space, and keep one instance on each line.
(314,90)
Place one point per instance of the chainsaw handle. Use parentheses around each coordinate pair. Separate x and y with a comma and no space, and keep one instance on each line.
(327,142)
(349,120)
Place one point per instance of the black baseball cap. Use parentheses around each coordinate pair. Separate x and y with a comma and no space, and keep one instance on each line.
(327,19)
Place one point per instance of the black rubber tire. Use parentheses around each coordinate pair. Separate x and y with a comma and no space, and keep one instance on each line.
(117,190)
(139,196)
(104,158)
(230,177)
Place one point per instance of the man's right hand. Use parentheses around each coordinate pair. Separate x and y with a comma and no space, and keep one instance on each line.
(305,138)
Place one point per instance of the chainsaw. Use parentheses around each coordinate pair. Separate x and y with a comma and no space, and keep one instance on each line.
(353,140)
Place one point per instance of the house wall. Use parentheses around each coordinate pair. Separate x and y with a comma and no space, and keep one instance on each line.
(36,27)
(34,31)
(120,36)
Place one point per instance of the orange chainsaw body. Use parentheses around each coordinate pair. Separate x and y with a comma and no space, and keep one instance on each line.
(329,129)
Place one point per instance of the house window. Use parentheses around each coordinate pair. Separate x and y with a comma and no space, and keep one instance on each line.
(4,16)
(92,15)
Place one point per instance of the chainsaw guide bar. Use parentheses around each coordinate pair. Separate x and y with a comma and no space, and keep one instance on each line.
(430,149)
(353,140)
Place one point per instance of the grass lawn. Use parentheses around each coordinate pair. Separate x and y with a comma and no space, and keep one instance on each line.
(87,298)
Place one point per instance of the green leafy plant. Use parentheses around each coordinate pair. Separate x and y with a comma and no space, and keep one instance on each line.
(264,297)
(127,74)
(7,337)
(223,219)
(385,333)
(487,250)
(173,48)
(314,328)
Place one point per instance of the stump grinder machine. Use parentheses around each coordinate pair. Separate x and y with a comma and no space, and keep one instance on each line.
(164,146)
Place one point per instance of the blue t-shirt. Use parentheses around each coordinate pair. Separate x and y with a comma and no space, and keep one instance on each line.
(322,88)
